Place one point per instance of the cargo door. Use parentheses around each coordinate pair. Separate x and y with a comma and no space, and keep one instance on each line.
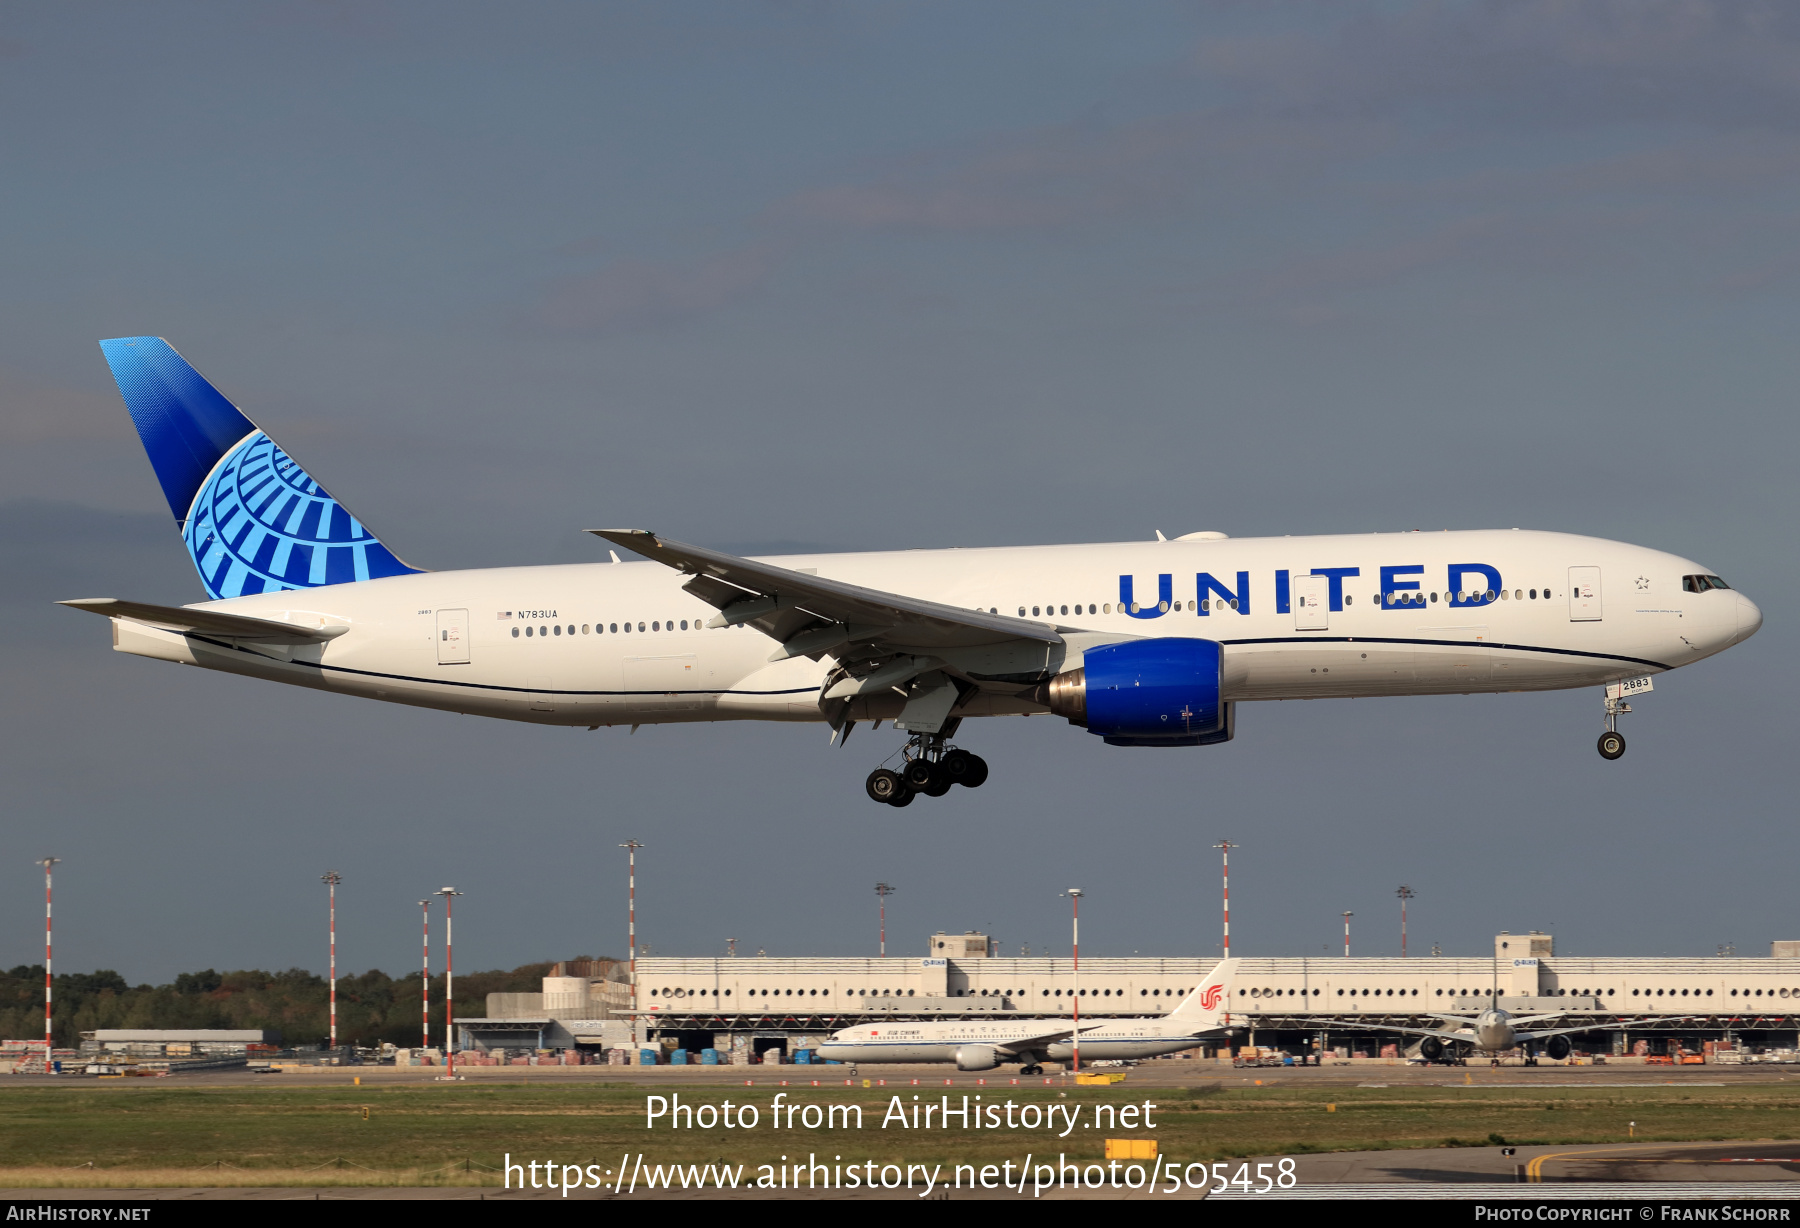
(668,683)
(453,637)
(1311,595)
(1584,594)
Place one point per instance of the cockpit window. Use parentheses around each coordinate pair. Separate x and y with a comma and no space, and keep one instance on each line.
(1699,584)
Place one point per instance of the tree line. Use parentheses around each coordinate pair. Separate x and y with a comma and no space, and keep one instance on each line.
(372,1006)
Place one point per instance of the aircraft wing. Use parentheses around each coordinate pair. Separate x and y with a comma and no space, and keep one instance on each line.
(1027,1042)
(214,624)
(782,602)
(1466,1037)
(880,639)
(1589,1027)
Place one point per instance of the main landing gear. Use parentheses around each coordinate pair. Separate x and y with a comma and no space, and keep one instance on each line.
(1030,1070)
(1612,742)
(930,768)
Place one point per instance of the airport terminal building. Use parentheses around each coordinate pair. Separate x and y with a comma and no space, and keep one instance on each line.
(748,1005)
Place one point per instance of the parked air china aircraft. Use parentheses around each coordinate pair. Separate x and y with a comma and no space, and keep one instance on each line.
(1142,643)
(982,1044)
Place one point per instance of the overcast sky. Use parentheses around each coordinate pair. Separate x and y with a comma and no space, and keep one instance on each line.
(875,276)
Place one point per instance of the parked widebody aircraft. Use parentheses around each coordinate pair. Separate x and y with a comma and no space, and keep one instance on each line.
(1490,1031)
(1145,644)
(982,1044)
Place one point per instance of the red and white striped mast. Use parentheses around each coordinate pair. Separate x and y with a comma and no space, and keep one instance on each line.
(49,1042)
(449,894)
(425,974)
(1347,916)
(1225,862)
(331,879)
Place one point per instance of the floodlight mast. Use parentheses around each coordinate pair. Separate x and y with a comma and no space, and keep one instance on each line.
(48,863)
(1405,893)
(1347,916)
(882,892)
(331,878)
(631,847)
(1074,894)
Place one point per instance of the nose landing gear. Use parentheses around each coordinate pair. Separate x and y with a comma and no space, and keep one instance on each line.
(930,768)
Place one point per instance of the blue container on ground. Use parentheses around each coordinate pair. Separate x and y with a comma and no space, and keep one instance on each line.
(646,1057)
(678,1057)
(709,1057)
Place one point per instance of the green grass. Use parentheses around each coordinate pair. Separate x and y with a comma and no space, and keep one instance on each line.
(458,1134)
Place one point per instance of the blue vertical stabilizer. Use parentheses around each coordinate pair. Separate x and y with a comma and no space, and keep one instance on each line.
(253,519)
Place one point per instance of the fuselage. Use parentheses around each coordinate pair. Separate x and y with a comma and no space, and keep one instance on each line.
(1494,1032)
(943,1041)
(1298,618)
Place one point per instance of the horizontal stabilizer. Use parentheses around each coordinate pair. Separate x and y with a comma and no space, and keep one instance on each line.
(215,624)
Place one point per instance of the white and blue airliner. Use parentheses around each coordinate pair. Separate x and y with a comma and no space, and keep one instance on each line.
(1144,644)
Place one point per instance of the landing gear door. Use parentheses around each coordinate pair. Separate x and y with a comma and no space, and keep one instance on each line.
(1584,594)
(1312,610)
(453,637)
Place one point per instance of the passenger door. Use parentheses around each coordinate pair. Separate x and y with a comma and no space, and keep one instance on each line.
(453,637)
(1584,594)
(1312,610)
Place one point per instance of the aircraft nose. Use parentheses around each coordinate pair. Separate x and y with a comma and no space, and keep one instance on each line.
(1749,619)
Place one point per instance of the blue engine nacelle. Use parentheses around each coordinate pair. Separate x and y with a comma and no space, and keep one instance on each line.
(1151,692)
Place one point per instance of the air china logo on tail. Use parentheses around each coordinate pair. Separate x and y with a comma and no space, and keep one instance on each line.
(1209,997)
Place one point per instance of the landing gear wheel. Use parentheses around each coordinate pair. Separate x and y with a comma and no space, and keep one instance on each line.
(902,798)
(963,768)
(920,775)
(885,786)
(1029,1071)
(1612,745)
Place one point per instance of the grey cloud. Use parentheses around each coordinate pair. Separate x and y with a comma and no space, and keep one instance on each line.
(1550,61)
(1075,173)
(634,294)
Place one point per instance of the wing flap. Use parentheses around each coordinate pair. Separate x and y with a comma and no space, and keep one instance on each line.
(217,624)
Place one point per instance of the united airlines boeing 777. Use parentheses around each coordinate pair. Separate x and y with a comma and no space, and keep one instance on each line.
(1146,644)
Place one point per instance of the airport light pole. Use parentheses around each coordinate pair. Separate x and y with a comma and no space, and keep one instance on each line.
(631,847)
(331,879)
(1405,893)
(49,863)
(425,973)
(882,892)
(449,894)
(1225,864)
(1074,894)
(1347,916)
